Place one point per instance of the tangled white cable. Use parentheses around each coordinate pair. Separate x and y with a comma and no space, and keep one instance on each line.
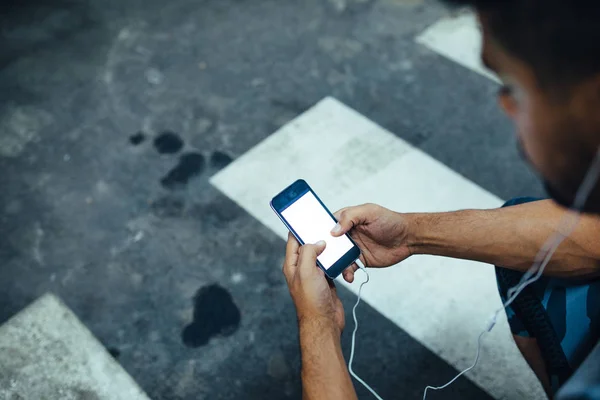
(565,228)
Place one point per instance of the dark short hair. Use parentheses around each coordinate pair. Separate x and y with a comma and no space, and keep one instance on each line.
(559,39)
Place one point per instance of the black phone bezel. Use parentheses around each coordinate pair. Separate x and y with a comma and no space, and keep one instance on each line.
(290,195)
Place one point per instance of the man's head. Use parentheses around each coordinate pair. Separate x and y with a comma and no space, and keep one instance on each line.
(547,53)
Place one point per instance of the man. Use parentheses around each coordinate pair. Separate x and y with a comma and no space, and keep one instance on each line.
(547,54)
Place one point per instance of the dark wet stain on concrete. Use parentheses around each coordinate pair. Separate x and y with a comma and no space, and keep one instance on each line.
(215,314)
(137,138)
(113,351)
(220,160)
(189,166)
(168,143)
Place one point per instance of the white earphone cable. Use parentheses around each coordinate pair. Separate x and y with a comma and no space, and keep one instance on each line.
(358,378)
(565,228)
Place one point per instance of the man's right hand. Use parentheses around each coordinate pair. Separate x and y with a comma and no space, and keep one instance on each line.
(383,236)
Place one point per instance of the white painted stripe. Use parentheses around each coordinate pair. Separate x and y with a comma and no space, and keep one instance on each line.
(49,354)
(459,39)
(348,160)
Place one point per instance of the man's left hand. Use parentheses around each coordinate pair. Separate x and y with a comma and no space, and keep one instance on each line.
(313,293)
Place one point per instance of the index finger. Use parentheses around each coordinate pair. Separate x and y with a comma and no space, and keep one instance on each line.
(339,212)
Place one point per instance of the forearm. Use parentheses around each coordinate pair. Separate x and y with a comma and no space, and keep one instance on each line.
(510,237)
(324,371)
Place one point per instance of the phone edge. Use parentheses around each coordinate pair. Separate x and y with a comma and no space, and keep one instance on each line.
(291,230)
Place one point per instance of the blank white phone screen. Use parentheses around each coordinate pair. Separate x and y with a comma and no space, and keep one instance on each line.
(313,223)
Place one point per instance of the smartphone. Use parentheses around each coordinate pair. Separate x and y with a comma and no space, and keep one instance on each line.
(305,215)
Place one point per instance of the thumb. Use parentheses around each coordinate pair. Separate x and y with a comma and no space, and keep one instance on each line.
(307,259)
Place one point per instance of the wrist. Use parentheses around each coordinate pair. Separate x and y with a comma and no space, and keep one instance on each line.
(420,228)
(319,338)
(324,372)
(319,324)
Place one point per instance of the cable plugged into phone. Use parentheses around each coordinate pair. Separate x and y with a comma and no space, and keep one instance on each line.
(362,267)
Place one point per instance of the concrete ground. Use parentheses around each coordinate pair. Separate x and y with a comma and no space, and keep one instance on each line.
(113,116)
(46,353)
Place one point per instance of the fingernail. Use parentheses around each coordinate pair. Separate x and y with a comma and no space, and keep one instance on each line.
(320,243)
(336,229)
